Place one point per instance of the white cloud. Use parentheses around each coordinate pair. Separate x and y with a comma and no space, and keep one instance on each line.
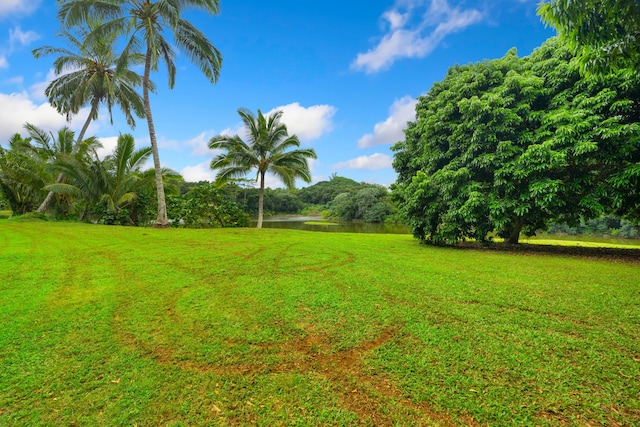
(3,62)
(199,172)
(414,32)
(232,131)
(373,162)
(37,89)
(307,123)
(20,38)
(396,19)
(270,181)
(200,144)
(10,7)
(168,144)
(18,80)
(16,109)
(108,146)
(392,129)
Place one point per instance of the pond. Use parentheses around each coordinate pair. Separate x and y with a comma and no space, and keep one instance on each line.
(316,223)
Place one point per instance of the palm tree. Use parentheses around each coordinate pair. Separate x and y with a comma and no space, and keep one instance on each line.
(266,150)
(112,183)
(28,165)
(144,23)
(21,174)
(88,76)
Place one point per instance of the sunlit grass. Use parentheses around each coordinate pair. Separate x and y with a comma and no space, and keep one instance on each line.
(108,326)
(580,243)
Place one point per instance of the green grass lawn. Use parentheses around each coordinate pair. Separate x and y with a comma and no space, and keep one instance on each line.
(107,326)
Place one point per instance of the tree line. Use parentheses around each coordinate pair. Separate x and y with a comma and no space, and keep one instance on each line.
(91,73)
(117,189)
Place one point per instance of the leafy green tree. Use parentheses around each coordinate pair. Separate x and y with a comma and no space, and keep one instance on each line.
(205,206)
(604,33)
(145,22)
(268,149)
(282,201)
(87,75)
(324,192)
(510,145)
(366,202)
(344,207)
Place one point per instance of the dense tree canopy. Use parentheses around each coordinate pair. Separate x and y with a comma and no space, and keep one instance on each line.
(205,206)
(509,145)
(324,192)
(604,33)
(365,202)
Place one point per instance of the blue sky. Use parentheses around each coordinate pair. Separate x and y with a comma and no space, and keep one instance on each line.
(345,73)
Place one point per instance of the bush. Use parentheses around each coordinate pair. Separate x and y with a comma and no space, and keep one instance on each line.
(205,206)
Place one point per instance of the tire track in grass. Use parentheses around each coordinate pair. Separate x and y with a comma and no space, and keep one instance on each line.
(373,398)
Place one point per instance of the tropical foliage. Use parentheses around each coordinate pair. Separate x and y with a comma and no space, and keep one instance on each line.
(366,202)
(28,165)
(324,192)
(269,148)
(604,33)
(112,190)
(107,189)
(88,76)
(509,145)
(21,175)
(205,206)
(144,25)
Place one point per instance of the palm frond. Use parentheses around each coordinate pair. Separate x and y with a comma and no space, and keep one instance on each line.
(200,51)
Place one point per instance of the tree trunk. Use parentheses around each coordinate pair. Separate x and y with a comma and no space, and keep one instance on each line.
(514,235)
(162,220)
(261,200)
(47,200)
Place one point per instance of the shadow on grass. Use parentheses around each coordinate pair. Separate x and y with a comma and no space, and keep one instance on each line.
(615,254)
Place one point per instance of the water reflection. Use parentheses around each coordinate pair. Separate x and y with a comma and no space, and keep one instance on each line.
(314,223)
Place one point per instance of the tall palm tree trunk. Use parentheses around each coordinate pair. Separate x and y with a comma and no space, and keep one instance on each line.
(47,200)
(261,200)
(162,220)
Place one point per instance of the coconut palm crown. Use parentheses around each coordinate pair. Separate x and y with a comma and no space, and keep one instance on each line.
(144,23)
(268,148)
(88,76)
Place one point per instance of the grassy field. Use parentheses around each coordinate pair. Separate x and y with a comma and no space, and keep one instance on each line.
(108,326)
